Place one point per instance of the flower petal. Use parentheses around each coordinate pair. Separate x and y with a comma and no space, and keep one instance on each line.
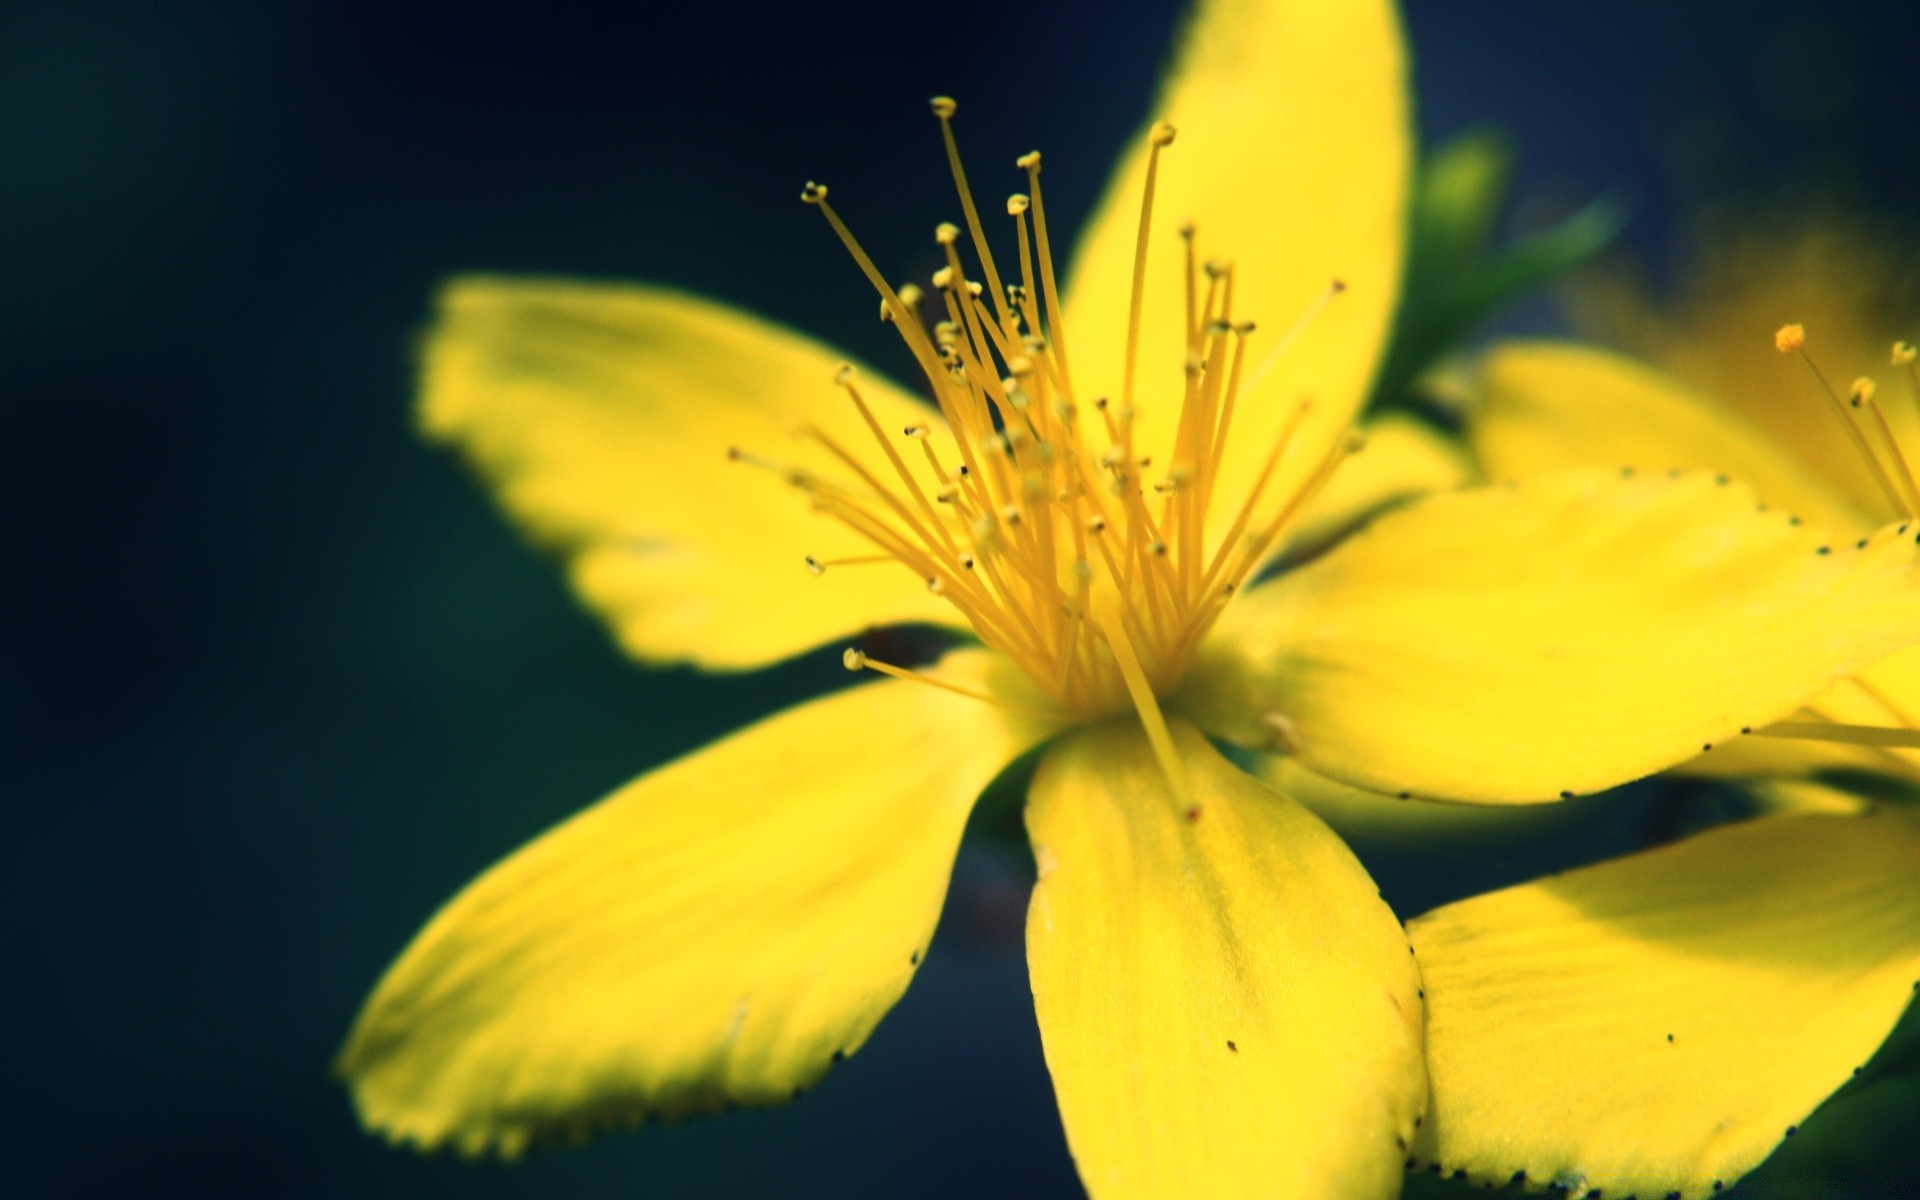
(603,416)
(1227,1007)
(1400,459)
(1293,160)
(1655,1025)
(1548,406)
(716,932)
(1509,645)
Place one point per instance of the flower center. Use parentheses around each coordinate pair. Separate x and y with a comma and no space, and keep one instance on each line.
(1030,508)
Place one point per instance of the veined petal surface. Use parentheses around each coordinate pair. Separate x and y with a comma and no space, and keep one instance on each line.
(1227,1006)
(717,932)
(1655,1025)
(1564,635)
(1548,406)
(1293,160)
(603,416)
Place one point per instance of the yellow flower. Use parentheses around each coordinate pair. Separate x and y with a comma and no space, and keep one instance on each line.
(1226,1006)
(1656,1025)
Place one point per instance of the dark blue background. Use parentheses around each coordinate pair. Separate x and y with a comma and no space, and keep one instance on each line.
(274,680)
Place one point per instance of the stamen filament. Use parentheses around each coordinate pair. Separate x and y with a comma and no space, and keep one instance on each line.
(1159,137)
(1792,340)
(1852,735)
(944,107)
(1141,692)
(857,660)
(1056,322)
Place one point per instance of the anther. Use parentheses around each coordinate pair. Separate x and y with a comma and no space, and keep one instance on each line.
(1789,338)
(1216,267)
(1161,134)
(843,374)
(1097,525)
(816,567)
(1904,353)
(1861,392)
(813,193)
(946,233)
(1018,203)
(1030,161)
(943,279)
(852,659)
(917,431)
(943,106)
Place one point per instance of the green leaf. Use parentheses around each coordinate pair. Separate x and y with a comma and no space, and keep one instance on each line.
(1456,280)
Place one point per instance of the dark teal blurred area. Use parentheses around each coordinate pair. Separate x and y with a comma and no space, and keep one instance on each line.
(275,680)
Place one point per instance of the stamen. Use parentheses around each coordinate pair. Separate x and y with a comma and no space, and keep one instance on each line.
(1004,534)
(1792,339)
(1144,702)
(858,660)
(816,195)
(1860,395)
(944,108)
(818,566)
(1158,138)
(1056,323)
(1852,735)
(1300,325)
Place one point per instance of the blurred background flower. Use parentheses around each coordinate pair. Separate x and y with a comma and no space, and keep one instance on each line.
(275,680)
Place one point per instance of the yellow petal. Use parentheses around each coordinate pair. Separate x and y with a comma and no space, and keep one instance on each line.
(602,415)
(1292,159)
(1886,693)
(716,932)
(1798,797)
(1548,406)
(1227,1007)
(1654,1026)
(1400,459)
(1358,813)
(1508,645)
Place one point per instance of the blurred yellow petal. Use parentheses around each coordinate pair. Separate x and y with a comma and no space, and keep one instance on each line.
(716,932)
(1402,458)
(1548,406)
(1509,645)
(1654,1026)
(602,415)
(1293,159)
(1227,1007)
